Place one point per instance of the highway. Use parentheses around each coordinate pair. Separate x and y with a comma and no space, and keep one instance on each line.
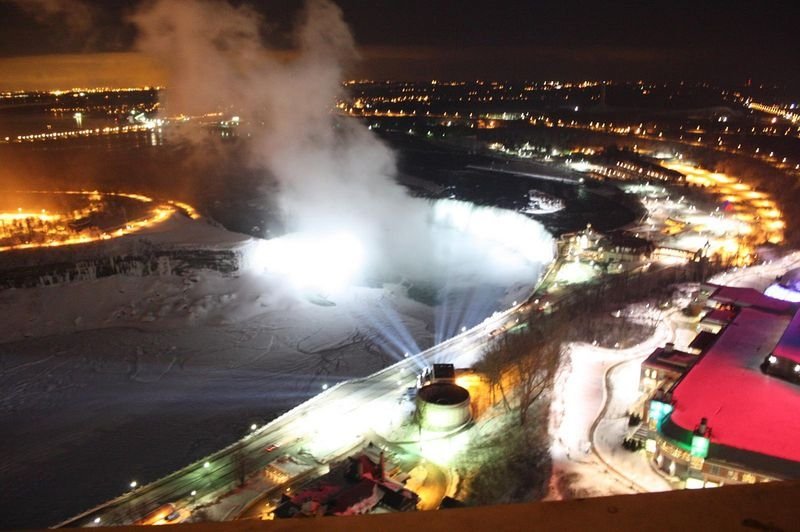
(334,421)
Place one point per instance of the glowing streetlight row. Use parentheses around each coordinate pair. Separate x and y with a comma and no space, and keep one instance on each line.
(60,236)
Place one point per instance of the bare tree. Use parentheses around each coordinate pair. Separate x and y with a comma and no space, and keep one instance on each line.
(494,365)
(536,373)
(525,362)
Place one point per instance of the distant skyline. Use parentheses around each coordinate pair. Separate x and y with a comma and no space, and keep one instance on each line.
(447,39)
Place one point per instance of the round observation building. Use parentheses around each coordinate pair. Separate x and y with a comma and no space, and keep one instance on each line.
(443,406)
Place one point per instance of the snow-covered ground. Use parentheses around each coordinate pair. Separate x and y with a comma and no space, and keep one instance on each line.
(612,428)
(759,276)
(587,424)
(114,398)
(123,378)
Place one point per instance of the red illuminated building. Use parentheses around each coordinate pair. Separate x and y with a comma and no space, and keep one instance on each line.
(730,413)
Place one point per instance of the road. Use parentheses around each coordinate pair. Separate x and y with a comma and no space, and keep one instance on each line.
(323,426)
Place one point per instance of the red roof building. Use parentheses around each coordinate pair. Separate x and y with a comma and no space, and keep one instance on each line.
(729,418)
(745,408)
(749,297)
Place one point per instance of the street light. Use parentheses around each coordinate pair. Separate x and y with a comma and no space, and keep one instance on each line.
(96,520)
(253,426)
(194,492)
(325,386)
(133,484)
(207,465)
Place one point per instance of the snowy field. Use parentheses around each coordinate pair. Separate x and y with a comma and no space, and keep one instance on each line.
(90,409)
(109,380)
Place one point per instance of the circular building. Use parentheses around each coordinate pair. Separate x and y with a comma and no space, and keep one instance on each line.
(443,406)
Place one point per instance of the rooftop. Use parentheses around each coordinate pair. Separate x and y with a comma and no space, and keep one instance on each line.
(789,345)
(703,340)
(750,297)
(673,360)
(722,316)
(745,408)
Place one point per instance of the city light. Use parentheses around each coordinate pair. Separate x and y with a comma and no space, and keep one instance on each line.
(25,229)
(259,316)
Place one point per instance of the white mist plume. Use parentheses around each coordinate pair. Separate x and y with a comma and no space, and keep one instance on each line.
(334,174)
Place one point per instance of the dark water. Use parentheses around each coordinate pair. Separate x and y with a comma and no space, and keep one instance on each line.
(603,205)
(216,179)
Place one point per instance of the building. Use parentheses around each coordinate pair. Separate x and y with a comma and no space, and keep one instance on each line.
(727,411)
(610,250)
(443,406)
(662,369)
(626,165)
(356,486)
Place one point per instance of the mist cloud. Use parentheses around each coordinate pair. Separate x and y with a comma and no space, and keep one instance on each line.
(333,173)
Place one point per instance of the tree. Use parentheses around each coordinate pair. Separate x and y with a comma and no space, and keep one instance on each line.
(525,361)
(535,373)
(493,365)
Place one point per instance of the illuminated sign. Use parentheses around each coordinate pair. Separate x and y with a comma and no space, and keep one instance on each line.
(694,483)
(650,446)
(699,446)
(696,463)
(658,413)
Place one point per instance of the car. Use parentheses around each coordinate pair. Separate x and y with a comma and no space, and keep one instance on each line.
(157,515)
(271,447)
(498,331)
(173,516)
(410,393)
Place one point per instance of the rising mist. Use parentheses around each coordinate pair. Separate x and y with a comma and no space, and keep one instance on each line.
(333,174)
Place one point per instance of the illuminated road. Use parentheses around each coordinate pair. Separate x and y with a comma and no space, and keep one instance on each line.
(325,426)
(56,226)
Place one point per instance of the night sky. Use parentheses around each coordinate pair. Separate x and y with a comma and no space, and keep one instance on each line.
(724,42)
